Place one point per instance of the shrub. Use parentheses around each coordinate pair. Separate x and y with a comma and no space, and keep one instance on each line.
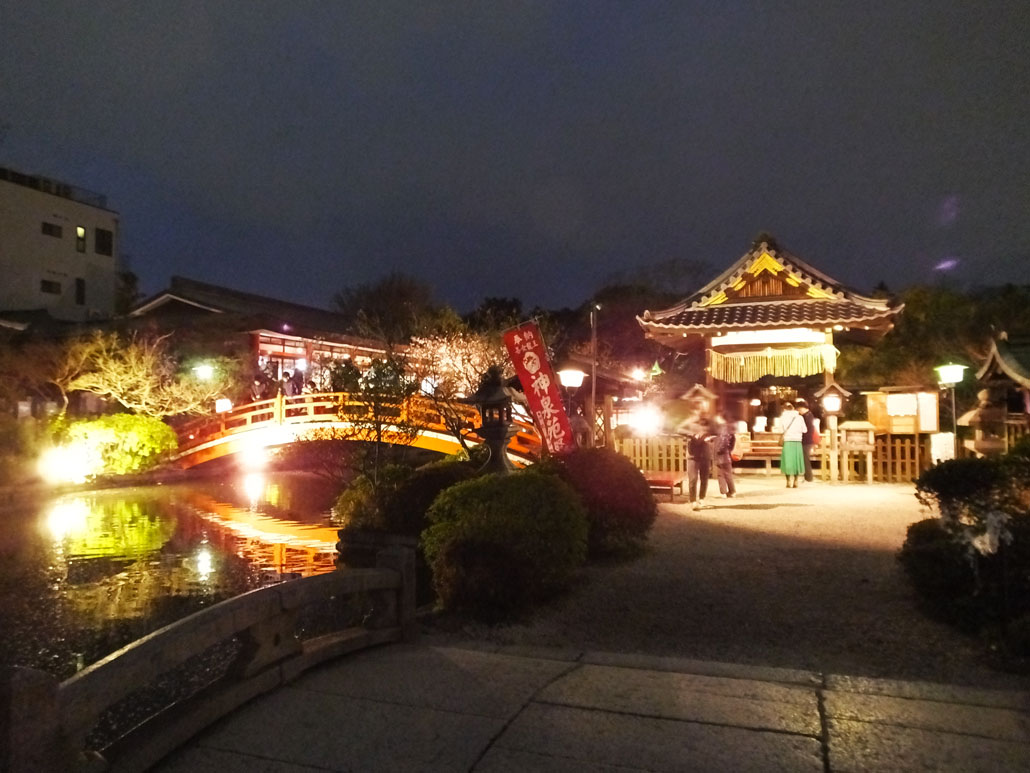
(620,506)
(482,579)
(535,527)
(361,505)
(123,442)
(404,511)
(939,568)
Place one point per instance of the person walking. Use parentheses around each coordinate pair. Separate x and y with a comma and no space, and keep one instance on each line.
(808,438)
(725,440)
(792,460)
(699,460)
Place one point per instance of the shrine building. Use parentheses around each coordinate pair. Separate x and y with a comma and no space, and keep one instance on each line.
(765,329)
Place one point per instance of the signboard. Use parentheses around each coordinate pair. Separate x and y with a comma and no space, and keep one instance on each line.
(529,355)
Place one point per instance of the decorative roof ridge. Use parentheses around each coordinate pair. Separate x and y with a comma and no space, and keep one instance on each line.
(811,275)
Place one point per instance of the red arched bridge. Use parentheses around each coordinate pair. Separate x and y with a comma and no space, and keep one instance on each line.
(282,420)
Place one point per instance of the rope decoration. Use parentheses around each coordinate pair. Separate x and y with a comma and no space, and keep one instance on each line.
(745,367)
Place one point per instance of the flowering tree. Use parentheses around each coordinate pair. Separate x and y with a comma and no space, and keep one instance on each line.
(448,367)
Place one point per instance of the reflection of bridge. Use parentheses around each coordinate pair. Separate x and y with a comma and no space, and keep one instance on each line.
(282,420)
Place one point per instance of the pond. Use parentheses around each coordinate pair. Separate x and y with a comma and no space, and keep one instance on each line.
(87,573)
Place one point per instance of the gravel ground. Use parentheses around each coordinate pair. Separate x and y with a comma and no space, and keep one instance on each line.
(797,578)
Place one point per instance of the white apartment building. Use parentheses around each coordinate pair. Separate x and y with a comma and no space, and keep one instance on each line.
(58,248)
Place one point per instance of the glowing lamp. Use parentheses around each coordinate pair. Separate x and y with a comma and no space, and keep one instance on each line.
(832,397)
(950,374)
(639,374)
(571,378)
(301,365)
(205,372)
(223,405)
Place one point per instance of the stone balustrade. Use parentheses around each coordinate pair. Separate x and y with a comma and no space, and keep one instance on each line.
(266,639)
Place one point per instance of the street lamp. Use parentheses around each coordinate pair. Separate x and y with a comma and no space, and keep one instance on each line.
(832,397)
(592,418)
(948,376)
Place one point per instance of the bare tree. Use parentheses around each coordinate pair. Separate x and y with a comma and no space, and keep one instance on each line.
(141,374)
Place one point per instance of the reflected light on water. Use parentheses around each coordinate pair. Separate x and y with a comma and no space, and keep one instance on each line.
(205,562)
(68,518)
(253,486)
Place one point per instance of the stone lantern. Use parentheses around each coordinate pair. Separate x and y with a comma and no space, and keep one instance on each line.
(494,404)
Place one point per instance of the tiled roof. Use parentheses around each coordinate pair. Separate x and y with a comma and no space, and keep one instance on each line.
(786,313)
(1010,355)
(769,287)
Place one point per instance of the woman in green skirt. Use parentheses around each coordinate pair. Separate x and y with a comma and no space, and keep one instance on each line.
(792,455)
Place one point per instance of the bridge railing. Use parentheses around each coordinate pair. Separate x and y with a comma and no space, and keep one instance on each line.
(253,643)
(334,406)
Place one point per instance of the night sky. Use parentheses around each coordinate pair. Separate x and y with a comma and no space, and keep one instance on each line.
(531,149)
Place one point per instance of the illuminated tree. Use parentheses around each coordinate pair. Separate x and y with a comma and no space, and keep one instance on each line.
(449,366)
(141,374)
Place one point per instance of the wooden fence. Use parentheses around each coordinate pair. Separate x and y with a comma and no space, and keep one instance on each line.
(50,726)
(893,459)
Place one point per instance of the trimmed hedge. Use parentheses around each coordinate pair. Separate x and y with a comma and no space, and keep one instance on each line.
(404,511)
(500,542)
(620,506)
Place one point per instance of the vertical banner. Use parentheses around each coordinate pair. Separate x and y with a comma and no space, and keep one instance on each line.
(528,354)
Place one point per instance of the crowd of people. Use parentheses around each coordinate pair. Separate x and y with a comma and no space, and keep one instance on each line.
(712,441)
(264,387)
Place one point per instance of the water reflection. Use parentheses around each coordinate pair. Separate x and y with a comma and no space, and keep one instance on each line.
(90,572)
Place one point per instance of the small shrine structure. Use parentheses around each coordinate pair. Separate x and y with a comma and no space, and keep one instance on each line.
(770,317)
(1003,413)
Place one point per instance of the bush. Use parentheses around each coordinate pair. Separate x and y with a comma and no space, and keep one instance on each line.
(482,579)
(620,506)
(123,442)
(404,511)
(361,505)
(940,569)
(523,524)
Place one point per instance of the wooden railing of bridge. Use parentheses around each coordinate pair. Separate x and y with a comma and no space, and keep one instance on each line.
(114,715)
(208,438)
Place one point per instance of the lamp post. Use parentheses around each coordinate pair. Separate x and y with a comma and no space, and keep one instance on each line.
(572,378)
(832,397)
(592,418)
(948,376)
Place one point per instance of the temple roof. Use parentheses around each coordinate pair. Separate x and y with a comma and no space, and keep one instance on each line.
(1009,356)
(769,288)
(187,299)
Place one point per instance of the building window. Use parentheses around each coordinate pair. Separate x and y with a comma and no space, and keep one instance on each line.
(103,242)
(80,292)
(52,229)
(50,286)
(80,238)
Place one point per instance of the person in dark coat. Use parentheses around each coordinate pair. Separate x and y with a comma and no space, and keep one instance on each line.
(699,458)
(725,440)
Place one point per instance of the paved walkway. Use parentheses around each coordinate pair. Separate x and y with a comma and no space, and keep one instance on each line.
(424,707)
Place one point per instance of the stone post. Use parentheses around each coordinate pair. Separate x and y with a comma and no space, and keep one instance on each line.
(402,560)
(30,734)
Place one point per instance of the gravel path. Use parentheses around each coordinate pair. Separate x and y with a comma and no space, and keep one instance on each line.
(797,578)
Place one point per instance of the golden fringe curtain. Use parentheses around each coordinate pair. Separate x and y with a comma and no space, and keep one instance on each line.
(744,367)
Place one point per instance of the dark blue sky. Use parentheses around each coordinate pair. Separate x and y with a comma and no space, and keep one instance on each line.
(531,148)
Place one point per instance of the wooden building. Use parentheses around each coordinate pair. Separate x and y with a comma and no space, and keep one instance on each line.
(283,336)
(1003,413)
(766,328)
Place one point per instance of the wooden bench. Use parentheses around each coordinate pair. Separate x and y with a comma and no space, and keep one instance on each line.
(665,480)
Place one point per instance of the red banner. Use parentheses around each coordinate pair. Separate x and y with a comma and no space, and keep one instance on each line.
(529,355)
